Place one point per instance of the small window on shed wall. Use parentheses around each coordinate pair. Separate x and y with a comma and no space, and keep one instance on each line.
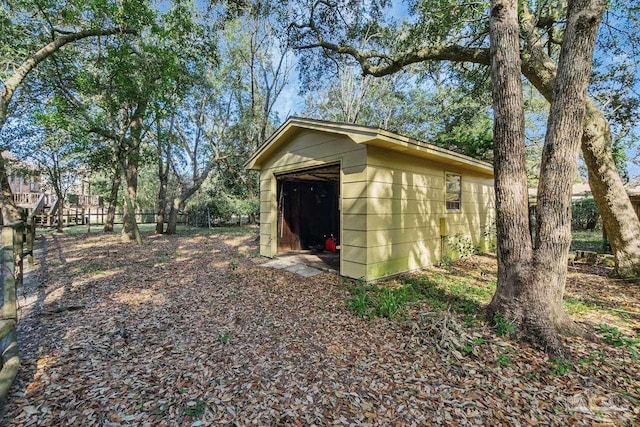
(453,194)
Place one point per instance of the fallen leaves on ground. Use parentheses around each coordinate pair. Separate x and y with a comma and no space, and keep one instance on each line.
(190,330)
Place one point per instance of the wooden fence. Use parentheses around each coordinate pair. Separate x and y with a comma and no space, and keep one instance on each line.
(17,244)
(94,216)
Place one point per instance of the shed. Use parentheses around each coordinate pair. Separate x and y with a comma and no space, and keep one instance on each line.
(395,204)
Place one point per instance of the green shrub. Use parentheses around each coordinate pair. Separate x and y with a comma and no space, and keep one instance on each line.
(223,207)
(585,214)
(461,246)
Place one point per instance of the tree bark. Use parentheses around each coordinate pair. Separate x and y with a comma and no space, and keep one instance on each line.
(163,176)
(113,200)
(130,230)
(532,302)
(10,212)
(618,216)
(60,212)
(515,250)
(172,224)
(162,207)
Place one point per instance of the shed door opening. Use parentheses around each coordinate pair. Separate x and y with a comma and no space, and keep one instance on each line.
(308,208)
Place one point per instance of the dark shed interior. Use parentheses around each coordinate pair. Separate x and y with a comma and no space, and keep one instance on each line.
(308,208)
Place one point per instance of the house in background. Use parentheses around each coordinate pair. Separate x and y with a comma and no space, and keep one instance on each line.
(23,177)
(582,190)
(390,200)
(32,192)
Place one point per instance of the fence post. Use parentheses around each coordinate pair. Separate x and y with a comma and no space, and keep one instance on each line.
(9,316)
(31,235)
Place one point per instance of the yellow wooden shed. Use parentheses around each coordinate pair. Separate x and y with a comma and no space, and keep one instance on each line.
(395,204)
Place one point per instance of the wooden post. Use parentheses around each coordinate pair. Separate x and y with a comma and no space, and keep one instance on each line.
(31,235)
(8,312)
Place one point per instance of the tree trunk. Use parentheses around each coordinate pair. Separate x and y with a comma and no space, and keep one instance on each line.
(160,215)
(533,304)
(113,200)
(60,212)
(163,175)
(130,230)
(615,208)
(10,212)
(172,225)
(512,218)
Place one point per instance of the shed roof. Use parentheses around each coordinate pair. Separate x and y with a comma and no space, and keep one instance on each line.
(364,135)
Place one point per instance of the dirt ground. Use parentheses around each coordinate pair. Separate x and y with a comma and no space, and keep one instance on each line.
(190,330)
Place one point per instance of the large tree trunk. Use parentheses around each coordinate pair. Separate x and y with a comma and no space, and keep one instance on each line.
(162,209)
(163,175)
(172,224)
(113,200)
(533,303)
(10,212)
(130,230)
(515,250)
(618,216)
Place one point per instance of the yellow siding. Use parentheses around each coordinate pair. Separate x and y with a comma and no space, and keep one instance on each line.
(404,205)
(391,204)
(312,149)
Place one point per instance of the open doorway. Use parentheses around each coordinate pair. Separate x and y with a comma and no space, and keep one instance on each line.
(308,211)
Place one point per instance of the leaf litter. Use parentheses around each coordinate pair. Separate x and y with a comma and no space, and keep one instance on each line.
(189,330)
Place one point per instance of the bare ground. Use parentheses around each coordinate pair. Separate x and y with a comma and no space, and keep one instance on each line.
(188,330)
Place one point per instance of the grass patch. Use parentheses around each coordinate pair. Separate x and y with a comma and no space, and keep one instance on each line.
(460,295)
(615,338)
(577,307)
(584,240)
(559,367)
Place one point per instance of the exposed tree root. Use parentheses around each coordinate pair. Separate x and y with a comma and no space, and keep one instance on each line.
(541,326)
